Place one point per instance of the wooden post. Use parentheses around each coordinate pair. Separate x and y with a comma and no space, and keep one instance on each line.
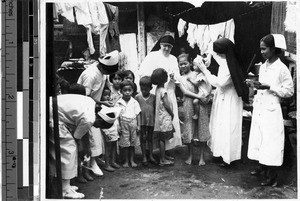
(52,74)
(141,36)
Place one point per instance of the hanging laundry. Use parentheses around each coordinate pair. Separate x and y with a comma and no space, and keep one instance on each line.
(98,15)
(181,26)
(66,10)
(82,13)
(191,38)
(128,46)
(203,38)
(112,38)
(229,30)
(90,38)
(291,16)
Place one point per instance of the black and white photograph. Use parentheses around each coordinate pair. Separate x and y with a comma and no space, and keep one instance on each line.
(218,79)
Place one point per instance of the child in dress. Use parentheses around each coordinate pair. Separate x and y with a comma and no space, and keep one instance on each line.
(129,122)
(129,75)
(115,79)
(111,137)
(193,133)
(147,104)
(163,125)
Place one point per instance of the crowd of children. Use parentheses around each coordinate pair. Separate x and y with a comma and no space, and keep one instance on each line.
(146,118)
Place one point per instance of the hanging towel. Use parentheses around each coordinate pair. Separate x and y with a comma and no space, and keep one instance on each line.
(190,35)
(291,16)
(98,15)
(66,10)
(181,26)
(229,30)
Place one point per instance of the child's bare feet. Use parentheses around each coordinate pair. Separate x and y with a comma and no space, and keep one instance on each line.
(125,165)
(169,157)
(201,162)
(133,164)
(188,161)
(109,168)
(165,162)
(195,116)
(115,165)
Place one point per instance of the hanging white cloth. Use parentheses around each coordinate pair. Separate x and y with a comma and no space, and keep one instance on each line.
(128,47)
(66,10)
(229,30)
(203,38)
(191,38)
(90,38)
(98,15)
(291,16)
(181,26)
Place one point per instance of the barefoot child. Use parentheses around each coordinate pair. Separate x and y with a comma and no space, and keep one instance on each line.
(129,122)
(147,104)
(163,125)
(194,133)
(111,137)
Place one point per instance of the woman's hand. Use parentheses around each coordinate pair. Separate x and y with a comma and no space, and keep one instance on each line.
(199,63)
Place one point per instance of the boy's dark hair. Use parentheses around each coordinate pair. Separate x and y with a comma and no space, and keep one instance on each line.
(126,73)
(106,88)
(112,76)
(159,76)
(126,83)
(77,89)
(146,82)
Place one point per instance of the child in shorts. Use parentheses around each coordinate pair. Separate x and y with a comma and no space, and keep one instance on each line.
(163,126)
(129,121)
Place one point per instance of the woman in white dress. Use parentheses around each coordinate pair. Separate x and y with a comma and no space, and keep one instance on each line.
(163,59)
(226,115)
(266,140)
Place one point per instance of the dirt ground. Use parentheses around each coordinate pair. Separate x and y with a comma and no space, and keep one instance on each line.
(183,181)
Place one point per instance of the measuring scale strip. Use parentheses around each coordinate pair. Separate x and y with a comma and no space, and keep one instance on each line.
(9,102)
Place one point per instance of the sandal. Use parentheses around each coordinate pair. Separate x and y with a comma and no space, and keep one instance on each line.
(72,194)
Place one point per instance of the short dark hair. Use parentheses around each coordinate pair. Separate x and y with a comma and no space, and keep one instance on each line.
(126,83)
(112,76)
(159,76)
(77,89)
(106,88)
(146,82)
(126,73)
